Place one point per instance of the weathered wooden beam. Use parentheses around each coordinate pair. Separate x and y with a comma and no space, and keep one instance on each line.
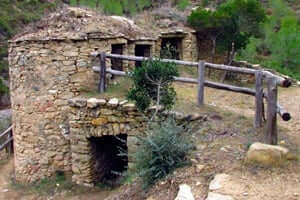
(231,68)
(6,132)
(7,142)
(102,74)
(271,134)
(116,72)
(195,81)
(231,88)
(201,79)
(283,82)
(285,115)
(259,99)
(138,58)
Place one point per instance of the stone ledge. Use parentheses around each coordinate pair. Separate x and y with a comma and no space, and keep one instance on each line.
(130,108)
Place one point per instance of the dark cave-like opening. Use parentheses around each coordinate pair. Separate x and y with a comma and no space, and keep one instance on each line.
(109,157)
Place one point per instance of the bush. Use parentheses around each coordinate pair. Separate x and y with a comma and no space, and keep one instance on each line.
(152,83)
(182,4)
(164,149)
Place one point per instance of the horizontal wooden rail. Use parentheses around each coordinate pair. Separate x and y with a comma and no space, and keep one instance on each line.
(6,143)
(210,84)
(280,110)
(283,82)
(6,132)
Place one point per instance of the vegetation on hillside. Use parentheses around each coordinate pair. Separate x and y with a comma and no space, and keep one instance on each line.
(279,48)
(13,16)
(229,26)
(126,7)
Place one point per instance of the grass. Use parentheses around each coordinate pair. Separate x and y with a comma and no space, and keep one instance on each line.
(116,88)
(46,186)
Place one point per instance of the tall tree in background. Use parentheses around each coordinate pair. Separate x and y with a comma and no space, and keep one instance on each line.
(209,25)
(231,25)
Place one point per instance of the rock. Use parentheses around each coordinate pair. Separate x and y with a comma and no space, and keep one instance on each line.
(77,102)
(113,102)
(123,102)
(93,102)
(99,121)
(129,107)
(266,155)
(217,196)
(185,193)
(218,181)
(197,116)
(200,168)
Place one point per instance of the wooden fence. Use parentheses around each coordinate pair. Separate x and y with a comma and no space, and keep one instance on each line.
(273,81)
(7,141)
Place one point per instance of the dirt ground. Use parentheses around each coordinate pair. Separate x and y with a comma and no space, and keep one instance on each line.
(221,143)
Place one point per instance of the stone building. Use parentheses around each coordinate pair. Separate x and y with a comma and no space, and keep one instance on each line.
(50,64)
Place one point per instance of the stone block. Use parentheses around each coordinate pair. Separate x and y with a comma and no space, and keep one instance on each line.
(77,102)
(99,121)
(93,102)
(70,53)
(266,155)
(114,102)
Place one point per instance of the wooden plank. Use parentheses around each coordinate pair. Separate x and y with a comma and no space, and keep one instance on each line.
(231,88)
(6,132)
(285,115)
(258,99)
(102,74)
(271,135)
(283,82)
(7,142)
(201,79)
(231,68)
(116,72)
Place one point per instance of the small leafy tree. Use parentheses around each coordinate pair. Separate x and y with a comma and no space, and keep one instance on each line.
(152,84)
(163,150)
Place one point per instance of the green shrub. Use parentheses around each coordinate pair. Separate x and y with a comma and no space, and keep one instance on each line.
(152,83)
(182,4)
(164,149)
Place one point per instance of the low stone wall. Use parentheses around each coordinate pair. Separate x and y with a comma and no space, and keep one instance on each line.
(100,117)
(97,118)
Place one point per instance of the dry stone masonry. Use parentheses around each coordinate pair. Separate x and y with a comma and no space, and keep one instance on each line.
(51,64)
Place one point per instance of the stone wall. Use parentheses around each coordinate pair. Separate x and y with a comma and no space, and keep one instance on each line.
(44,75)
(97,118)
(100,117)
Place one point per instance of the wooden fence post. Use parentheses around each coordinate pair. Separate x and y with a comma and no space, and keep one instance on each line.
(201,79)
(102,82)
(259,101)
(271,135)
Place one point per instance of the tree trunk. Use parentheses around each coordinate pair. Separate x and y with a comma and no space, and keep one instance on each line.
(97,3)
(230,57)
(213,52)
